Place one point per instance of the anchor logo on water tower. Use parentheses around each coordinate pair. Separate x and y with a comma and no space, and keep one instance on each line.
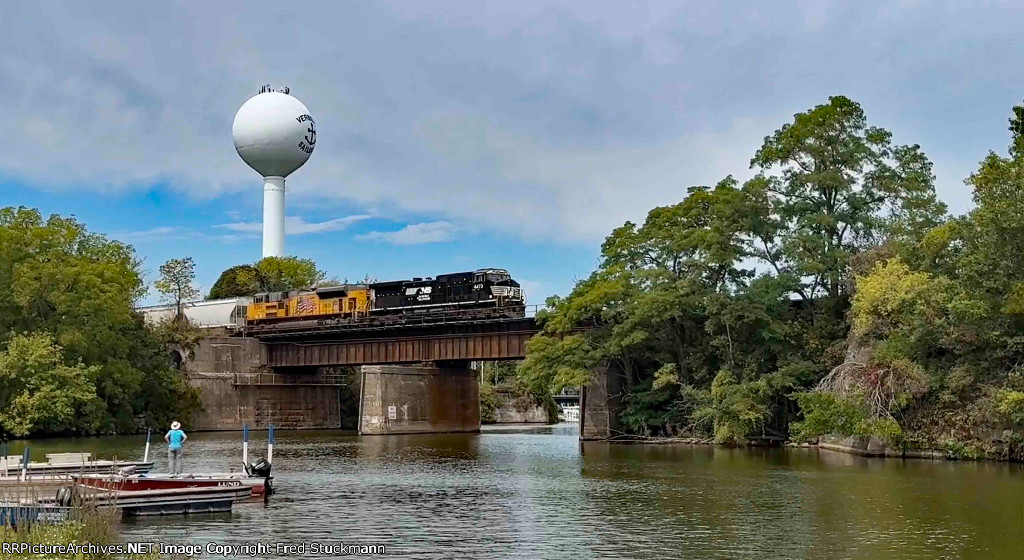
(311,137)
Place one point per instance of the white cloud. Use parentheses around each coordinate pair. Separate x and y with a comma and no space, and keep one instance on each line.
(169,233)
(414,234)
(553,121)
(295,225)
(154,233)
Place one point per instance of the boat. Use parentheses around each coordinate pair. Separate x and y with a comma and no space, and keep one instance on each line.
(256,478)
(257,485)
(569,413)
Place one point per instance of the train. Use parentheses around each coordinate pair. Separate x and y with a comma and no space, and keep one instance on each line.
(486,292)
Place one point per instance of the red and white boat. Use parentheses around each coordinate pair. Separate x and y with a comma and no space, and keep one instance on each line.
(258,485)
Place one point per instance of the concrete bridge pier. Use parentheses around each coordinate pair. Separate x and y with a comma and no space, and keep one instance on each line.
(601,403)
(401,399)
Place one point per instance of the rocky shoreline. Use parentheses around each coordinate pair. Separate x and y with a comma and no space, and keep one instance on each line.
(856,445)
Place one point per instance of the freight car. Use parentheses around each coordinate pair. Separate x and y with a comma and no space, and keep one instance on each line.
(484,292)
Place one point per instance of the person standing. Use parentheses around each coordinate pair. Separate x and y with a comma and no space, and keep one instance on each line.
(175,438)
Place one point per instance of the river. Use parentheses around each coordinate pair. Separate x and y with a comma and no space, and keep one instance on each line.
(538,493)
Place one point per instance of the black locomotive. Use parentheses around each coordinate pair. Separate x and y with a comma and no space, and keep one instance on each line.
(487,287)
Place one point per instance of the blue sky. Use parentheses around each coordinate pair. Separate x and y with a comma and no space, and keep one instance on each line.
(457,135)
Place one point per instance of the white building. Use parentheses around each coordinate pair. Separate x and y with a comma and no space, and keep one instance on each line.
(209,314)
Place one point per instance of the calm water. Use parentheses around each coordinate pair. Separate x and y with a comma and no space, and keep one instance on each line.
(536,493)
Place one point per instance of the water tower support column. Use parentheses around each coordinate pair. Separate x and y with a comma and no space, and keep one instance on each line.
(273,217)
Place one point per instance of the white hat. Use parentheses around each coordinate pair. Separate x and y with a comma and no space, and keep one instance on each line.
(175,425)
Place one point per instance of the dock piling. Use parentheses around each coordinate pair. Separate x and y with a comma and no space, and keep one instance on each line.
(270,444)
(245,444)
(24,465)
(145,456)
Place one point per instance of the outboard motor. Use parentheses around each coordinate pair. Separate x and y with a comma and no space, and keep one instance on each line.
(260,467)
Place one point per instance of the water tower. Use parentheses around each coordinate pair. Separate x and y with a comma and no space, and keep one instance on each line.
(274,135)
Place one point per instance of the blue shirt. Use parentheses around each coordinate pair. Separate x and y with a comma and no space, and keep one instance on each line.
(175,437)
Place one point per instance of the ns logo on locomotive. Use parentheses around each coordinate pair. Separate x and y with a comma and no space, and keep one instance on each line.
(484,293)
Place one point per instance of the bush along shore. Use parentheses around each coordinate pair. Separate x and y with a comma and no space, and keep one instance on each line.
(830,298)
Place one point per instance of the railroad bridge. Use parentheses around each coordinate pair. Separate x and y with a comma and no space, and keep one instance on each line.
(404,343)
(407,377)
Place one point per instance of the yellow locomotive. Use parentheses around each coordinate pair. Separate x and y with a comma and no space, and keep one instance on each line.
(352,300)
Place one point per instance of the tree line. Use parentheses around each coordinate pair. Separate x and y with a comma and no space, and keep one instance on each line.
(76,357)
(832,293)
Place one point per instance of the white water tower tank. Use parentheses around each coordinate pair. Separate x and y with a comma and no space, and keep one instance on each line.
(274,134)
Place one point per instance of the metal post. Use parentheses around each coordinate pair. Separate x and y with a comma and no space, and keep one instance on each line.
(270,444)
(145,456)
(245,444)
(24,465)
(3,456)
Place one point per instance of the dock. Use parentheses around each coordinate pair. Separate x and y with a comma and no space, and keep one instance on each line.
(169,501)
(66,463)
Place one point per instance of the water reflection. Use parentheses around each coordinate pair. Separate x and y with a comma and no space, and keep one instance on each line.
(539,493)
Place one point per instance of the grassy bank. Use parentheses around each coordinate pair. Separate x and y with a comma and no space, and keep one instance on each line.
(87,525)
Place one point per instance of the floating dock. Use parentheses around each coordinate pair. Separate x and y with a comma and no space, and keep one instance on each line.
(170,501)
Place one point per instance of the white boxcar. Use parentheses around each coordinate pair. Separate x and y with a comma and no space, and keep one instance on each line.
(208,314)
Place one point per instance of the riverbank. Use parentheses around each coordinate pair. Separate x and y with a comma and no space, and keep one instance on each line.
(861,446)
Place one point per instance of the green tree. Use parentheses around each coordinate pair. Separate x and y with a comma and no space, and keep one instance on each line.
(693,309)
(175,284)
(937,337)
(993,230)
(839,187)
(81,288)
(277,274)
(669,307)
(270,274)
(237,281)
(39,394)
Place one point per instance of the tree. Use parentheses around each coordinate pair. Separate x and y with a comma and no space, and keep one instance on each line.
(175,283)
(270,274)
(693,309)
(237,281)
(937,338)
(39,394)
(80,288)
(671,308)
(994,229)
(278,274)
(840,187)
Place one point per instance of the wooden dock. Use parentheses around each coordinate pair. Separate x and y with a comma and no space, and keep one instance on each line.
(67,463)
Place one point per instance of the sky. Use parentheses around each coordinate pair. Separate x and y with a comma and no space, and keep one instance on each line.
(460,135)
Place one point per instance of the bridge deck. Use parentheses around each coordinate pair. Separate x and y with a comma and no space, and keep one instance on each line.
(325,345)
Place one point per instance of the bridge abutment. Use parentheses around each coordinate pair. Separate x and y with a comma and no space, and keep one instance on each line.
(401,399)
(235,388)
